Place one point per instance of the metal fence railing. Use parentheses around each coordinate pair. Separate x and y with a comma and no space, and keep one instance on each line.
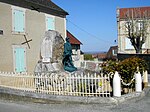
(57,84)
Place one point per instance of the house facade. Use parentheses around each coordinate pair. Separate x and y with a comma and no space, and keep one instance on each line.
(124,44)
(112,53)
(22,25)
(76,51)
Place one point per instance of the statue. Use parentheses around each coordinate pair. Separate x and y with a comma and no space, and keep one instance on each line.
(67,59)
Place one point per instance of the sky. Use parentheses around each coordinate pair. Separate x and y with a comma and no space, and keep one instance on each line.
(93,22)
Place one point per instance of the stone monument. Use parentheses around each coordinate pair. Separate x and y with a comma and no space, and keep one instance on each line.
(55,62)
(51,51)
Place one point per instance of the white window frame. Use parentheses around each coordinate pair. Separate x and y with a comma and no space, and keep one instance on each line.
(13,25)
(14,58)
(49,16)
(114,53)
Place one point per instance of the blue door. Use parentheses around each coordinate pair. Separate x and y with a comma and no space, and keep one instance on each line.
(20,65)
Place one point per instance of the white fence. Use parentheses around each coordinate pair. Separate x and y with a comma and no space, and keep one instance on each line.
(52,83)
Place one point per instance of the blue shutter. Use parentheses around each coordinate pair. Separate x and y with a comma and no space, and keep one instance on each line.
(50,23)
(19,21)
(20,59)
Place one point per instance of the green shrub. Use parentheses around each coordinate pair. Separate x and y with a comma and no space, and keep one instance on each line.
(88,57)
(125,68)
(129,66)
(109,66)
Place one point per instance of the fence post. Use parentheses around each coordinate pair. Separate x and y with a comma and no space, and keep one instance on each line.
(145,80)
(138,82)
(116,85)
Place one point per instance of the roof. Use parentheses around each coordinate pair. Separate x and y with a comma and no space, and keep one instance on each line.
(46,6)
(112,48)
(73,39)
(102,56)
(110,54)
(137,12)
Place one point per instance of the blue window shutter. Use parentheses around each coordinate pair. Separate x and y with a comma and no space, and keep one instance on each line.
(20,59)
(19,25)
(50,23)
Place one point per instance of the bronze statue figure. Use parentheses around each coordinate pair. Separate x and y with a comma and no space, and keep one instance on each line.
(67,57)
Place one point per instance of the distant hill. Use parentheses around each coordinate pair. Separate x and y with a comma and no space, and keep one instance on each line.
(94,52)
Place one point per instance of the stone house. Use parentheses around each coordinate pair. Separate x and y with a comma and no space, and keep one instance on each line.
(76,45)
(124,44)
(100,56)
(112,53)
(22,25)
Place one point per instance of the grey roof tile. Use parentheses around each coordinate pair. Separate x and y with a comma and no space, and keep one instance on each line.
(46,6)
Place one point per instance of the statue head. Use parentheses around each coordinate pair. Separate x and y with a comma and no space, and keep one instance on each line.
(67,39)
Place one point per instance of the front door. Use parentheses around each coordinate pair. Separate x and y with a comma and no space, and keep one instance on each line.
(19,59)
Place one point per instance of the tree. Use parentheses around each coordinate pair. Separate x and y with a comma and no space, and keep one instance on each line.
(88,57)
(137,27)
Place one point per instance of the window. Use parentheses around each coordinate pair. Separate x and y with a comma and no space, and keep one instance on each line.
(50,22)
(139,25)
(1,32)
(114,52)
(18,20)
(128,44)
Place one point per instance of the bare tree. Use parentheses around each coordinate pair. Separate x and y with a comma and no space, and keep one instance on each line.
(137,27)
